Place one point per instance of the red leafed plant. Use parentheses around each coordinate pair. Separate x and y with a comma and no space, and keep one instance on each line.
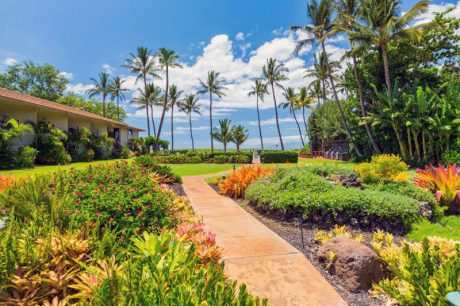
(443,181)
(236,183)
(205,242)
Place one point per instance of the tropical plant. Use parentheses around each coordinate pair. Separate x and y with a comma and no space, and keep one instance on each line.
(319,73)
(292,103)
(117,92)
(77,144)
(259,90)
(214,85)
(304,101)
(322,27)
(382,25)
(442,181)
(223,134)
(101,86)
(49,141)
(190,106)
(423,272)
(274,74)
(168,59)
(383,168)
(143,64)
(9,131)
(147,98)
(238,136)
(174,98)
(239,180)
(5,181)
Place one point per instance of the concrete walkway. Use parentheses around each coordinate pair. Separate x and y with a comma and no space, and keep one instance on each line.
(255,255)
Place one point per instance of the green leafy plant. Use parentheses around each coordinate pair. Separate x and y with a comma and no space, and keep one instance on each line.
(383,168)
(278,157)
(27,156)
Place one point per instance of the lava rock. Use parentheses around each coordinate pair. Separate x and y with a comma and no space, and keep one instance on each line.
(354,262)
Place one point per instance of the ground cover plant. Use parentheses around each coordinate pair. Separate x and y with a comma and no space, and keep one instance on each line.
(299,192)
(107,235)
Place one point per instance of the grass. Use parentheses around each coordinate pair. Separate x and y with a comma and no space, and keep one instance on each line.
(448,227)
(181,170)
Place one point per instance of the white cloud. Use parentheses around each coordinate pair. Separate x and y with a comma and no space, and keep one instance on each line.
(271,141)
(9,61)
(271,121)
(67,75)
(434,8)
(239,36)
(109,69)
(79,89)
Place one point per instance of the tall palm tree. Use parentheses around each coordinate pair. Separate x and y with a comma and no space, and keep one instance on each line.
(189,106)
(214,85)
(349,11)
(315,91)
(382,25)
(320,73)
(259,89)
(239,136)
(304,100)
(118,92)
(143,64)
(274,74)
(156,100)
(101,87)
(168,59)
(322,26)
(174,97)
(223,134)
(291,103)
(145,98)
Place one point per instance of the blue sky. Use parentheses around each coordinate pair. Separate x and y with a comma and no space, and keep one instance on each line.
(84,37)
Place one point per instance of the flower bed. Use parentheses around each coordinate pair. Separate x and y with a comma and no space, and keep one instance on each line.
(108,235)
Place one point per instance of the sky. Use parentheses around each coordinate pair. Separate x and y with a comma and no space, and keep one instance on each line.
(234,37)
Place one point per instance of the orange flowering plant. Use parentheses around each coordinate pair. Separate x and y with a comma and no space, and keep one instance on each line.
(236,183)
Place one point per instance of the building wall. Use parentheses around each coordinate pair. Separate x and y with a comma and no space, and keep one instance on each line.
(98,127)
(123,136)
(76,123)
(58,119)
(22,114)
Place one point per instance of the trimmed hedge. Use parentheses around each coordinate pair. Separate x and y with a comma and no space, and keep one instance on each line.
(201,157)
(299,192)
(278,157)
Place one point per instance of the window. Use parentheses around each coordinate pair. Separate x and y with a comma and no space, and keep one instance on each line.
(130,132)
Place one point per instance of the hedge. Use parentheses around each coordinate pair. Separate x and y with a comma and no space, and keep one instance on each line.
(278,157)
(201,157)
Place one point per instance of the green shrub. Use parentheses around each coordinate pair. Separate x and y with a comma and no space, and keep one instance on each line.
(278,157)
(328,170)
(452,156)
(163,170)
(102,146)
(200,157)
(50,144)
(383,168)
(125,152)
(26,157)
(298,191)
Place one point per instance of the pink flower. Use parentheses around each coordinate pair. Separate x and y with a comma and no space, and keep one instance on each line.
(77,212)
(98,213)
(211,237)
(198,227)
(90,177)
(66,212)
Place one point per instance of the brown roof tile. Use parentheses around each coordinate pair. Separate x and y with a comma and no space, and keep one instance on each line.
(22,98)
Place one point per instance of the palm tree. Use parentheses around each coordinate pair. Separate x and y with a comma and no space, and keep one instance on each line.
(315,91)
(189,106)
(274,74)
(118,92)
(320,73)
(143,64)
(321,14)
(223,134)
(101,87)
(146,98)
(174,97)
(382,26)
(156,100)
(239,136)
(259,90)
(168,59)
(291,103)
(348,10)
(213,85)
(304,100)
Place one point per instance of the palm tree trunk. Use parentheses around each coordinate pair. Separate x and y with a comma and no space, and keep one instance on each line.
(210,121)
(276,114)
(304,119)
(409,143)
(172,126)
(324,90)
(417,145)
(237,147)
(118,108)
(402,147)
(386,67)
(147,108)
(165,104)
(298,126)
(103,105)
(362,105)
(258,119)
(191,133)
(153,121)
(225,147)
(336,97)
(425,152)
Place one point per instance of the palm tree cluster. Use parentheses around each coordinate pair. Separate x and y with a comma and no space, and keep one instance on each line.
(104,86)
(368,24)
(226,133)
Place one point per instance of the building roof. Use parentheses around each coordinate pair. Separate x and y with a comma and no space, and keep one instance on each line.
(15,96)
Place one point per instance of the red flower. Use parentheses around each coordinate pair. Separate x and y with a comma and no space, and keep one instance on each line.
(77,212)
(98,213)
(66,212)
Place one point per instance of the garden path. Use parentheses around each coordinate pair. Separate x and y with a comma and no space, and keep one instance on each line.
(255,255)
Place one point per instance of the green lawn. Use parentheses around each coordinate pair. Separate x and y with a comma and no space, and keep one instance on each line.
(449,228)
(181,170)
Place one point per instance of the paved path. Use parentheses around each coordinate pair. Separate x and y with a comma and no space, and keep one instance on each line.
(255,255)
